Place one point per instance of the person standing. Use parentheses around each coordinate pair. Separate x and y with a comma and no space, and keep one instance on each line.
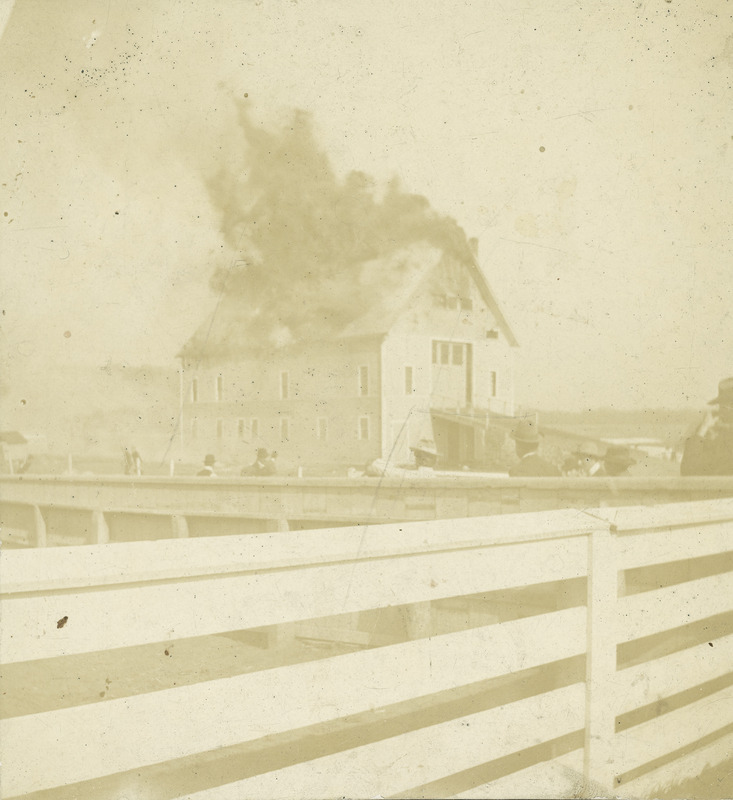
(709,451)
(590,458)
(208,470)
(531,464)
(616,462)
(270,464)
(259,467)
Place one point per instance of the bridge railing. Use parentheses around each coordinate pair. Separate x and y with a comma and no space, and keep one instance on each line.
(462,657)
(61,510)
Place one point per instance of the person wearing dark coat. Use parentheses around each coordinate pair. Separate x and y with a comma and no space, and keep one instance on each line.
(709,451)
(259,466)
(531,464)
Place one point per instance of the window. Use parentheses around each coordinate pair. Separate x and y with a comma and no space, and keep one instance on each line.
(492,334)
(363,381)
(194,391)
(219,389)
(240,428)
(194,429)
(254,428)
(493,384)
(284,385)
(322,428)
(219,429)
(408,380)
(284,429)
(363,427)
(444,353)
(458,354)
(451,301)
(466,304)
(435,352)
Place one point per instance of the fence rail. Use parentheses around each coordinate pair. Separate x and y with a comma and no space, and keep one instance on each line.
(428,659)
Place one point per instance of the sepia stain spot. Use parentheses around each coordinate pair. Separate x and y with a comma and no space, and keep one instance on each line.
(542,149)
(710,643)
(62,622)
(22,402)
(67,334)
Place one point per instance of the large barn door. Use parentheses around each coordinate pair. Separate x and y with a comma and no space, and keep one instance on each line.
(452,375)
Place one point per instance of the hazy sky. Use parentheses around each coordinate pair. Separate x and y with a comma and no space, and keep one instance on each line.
(587,147)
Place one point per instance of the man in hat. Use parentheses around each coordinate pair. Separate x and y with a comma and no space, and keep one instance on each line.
(208,470)
(709,451)
(590,459)
(425,454)
(531,465)
(258,467)
(616,462)
(424,458)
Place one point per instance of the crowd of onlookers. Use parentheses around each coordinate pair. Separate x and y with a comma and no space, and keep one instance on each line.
(265,463)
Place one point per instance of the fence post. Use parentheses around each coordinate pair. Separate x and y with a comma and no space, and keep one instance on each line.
(600,712)
(179,526)
(100,529)
(39,528)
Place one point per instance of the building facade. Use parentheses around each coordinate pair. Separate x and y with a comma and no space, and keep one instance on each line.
(429,356)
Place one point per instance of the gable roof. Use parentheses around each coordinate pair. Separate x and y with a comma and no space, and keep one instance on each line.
(490,299)
(363,301)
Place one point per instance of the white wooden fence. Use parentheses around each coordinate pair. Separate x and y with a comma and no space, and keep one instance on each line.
(548,654)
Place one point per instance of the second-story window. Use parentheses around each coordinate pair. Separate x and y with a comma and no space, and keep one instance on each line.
(284,385)
(408,380)
(219,389)
(363,381)
(363,427)
(492,385)
(194,390)
(254,428)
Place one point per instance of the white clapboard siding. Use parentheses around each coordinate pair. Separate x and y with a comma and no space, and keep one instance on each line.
(654,680)
(665,734)
(129,615)
(393,766)
(663,546)
(97,565)
(662,609)
(125,733)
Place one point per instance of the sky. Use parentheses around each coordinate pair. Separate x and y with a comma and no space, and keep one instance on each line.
(588,147)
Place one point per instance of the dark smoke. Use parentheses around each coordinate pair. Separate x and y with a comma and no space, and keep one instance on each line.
(302,236)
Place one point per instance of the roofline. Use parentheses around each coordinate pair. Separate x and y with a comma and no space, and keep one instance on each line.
(490,300)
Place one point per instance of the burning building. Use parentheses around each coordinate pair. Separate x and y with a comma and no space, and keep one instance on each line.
(350,328)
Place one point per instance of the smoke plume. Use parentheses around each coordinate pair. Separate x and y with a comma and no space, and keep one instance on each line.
(303,236)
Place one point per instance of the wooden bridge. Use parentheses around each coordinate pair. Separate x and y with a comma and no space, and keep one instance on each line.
(58,510)
(565,652)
